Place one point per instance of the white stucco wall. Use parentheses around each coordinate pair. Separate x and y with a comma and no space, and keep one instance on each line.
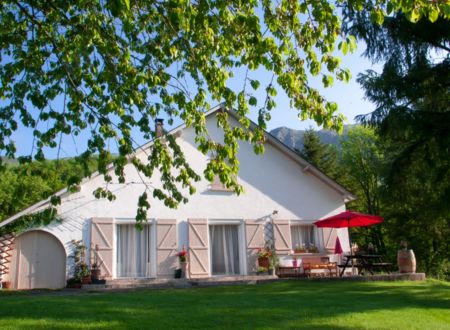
(271,181)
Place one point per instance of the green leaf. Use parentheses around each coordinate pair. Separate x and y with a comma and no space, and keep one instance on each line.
(446,10)
(377,16)
(389,8)
(433,14)
(351,40)
(255,84)
(413,15)
(343,47)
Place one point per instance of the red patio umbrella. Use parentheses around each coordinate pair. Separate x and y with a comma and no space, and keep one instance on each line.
(349,219)
(338,247)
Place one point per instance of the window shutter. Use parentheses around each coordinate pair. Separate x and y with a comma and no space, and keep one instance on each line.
(329,239)
(102,236)
(254,233)
(166,247)
(282,236)
(198,248)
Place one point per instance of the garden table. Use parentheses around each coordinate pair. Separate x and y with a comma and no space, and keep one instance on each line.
(366,262)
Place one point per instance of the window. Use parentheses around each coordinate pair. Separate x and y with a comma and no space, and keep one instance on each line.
(303,237)
(216,185)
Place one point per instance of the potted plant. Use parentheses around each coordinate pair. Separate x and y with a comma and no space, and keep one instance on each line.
(182,258)
(263,257)
(81,269)
(95,272)
(300,248)
(95,267)
(73,283)
(178,273)
(85,274)
(264,254)
(312,248)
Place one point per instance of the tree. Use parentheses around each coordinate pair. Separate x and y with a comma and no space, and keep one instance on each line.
(412,116)
(321,155)
(361,167)
(111,67)
(26,184)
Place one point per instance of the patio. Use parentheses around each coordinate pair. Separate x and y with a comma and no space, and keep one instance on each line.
(238,280)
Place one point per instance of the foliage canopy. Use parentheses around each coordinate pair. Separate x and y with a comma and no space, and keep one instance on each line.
(412,116)
(109,68)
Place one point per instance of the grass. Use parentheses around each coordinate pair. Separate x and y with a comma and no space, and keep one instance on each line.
(290,304)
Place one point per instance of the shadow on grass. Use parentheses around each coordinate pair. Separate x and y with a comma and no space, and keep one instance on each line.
(291,304)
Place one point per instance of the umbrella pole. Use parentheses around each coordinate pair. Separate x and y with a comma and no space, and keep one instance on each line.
(350,242)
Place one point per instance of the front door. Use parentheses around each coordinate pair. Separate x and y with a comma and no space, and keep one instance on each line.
(133,251)
(225,253)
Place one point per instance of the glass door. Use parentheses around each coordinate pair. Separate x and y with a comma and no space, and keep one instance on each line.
(133,251)
(224,242)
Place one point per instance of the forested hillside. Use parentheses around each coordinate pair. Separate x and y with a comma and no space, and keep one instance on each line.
(25,184)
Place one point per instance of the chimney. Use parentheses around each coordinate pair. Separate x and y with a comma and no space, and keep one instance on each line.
(159,127)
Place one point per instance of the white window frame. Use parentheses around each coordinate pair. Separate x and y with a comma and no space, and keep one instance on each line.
(153,257)
(317,233)
(242,244)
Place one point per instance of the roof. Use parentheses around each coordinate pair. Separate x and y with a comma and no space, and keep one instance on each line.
(287,151)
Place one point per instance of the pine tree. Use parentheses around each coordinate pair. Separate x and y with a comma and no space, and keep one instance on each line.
(412,116)
(321,155)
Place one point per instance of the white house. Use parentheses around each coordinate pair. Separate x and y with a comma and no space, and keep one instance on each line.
(283,196)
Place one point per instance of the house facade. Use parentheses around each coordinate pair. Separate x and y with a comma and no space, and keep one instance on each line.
(222,232)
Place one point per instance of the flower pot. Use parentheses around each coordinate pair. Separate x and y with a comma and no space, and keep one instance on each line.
(406,261)
(271,271)
(294,263)
(6,285)
(183,267)
(73,284)
(263,262)
(86,280)
(95,274)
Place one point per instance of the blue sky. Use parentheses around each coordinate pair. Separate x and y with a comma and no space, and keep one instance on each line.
(348,96)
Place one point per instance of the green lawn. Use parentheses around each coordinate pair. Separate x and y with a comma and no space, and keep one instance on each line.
(291,304)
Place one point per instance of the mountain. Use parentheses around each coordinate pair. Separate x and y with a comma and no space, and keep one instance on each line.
(294,138)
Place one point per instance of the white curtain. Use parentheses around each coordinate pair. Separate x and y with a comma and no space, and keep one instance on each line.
(302,236)
(224,240)
(133,251)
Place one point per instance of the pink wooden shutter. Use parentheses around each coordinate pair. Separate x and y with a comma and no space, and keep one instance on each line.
(166,247)
(254,233)
(198,248)
(282,236)
(102,236)
(329,239)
